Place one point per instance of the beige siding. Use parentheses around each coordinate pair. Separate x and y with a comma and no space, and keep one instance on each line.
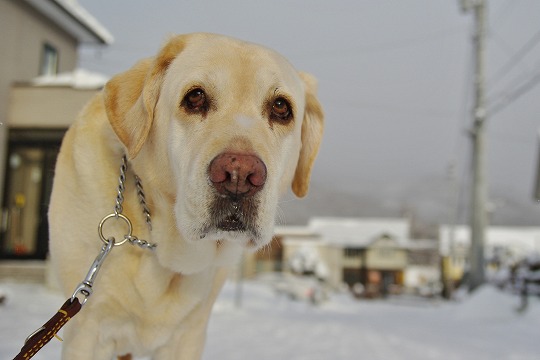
(334,260)
(24,32)
(383,254)
(53,107)
(386,259)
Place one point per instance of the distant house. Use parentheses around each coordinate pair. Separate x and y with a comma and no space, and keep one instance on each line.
(365,251)
(375,253)
(423,273)
(274,256)
(504,245)
(39,42)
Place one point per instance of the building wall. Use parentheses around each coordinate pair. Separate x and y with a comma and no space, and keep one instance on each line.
(333,256)
(386,258)
(417,276)
(384,254)
(61,104)
(24,33)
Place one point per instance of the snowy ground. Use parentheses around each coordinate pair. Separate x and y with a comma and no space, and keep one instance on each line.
(269,327)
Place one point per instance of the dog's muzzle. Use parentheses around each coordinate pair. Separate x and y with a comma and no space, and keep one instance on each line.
(236,178)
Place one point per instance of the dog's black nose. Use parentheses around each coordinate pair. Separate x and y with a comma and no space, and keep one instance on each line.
(237,174)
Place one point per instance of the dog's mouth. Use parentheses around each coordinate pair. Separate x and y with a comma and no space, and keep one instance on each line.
(232,217)
(231,223)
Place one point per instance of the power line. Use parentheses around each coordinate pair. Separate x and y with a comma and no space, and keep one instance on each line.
(496,97)
(516,58)
(515,94)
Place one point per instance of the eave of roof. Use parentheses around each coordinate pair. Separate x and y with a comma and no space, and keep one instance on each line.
(74,19)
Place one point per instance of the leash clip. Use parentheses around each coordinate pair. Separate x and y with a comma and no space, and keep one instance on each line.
(85,287)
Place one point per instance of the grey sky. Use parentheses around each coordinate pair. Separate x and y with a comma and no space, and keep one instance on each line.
(393,79)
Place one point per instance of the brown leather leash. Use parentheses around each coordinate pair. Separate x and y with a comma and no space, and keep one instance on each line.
(44,334)
(71,307)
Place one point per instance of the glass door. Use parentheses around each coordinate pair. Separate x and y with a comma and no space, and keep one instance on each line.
(29,175)
(21,214)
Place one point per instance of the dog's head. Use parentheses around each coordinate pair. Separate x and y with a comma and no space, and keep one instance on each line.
(227,126)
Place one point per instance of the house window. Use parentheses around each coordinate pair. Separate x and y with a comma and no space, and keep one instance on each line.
(352,252)
(49,60)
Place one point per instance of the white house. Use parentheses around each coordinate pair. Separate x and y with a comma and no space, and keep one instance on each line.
(503,245)
(374,252)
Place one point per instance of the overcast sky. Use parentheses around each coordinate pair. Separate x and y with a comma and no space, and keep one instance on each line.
(394,79)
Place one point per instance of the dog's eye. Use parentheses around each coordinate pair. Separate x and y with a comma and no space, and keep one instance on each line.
(281,110)
(196,101)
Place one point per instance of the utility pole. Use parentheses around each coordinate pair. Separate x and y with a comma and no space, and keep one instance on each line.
(479,188)
(448,264)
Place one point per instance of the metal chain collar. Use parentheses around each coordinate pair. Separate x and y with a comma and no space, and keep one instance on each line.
(85,287)
(118,209)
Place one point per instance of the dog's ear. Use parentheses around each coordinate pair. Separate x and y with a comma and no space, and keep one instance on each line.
(312,130)
(130,97)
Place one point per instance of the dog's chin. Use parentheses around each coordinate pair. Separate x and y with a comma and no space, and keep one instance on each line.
(232,230)
(232,223)
(234,220)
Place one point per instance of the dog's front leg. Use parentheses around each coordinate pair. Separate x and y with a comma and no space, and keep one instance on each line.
(82,342)
(187,342)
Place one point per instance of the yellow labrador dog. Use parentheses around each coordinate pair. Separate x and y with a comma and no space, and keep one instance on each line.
(216,129)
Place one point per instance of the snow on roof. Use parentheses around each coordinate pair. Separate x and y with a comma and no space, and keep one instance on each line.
(521,240)
(73,18)
(289,230)
(359,231)
(77,79)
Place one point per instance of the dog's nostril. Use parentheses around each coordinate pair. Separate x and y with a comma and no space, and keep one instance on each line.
(257,179)
(237,174)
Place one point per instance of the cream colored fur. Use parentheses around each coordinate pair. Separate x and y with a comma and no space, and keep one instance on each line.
(157,303)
